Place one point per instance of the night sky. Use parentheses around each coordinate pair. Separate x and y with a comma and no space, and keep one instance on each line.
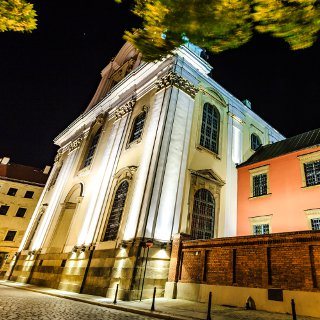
(48,77)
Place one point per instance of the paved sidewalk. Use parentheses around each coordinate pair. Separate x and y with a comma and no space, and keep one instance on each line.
(165,308)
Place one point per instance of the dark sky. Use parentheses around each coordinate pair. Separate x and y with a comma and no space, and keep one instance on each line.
(48,77)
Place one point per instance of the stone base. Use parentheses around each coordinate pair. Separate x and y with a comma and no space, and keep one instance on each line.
(306,302)
(99,273)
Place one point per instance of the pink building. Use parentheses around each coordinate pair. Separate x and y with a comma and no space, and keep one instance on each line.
(279,187)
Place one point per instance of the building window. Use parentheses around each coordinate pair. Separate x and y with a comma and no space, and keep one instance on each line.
(12,192)
(312,173)
(255,142)
(92,147)
(21,212)
(116,211)
(260,185)
(3,210)
(10,235)
(260,229)
(210,128)
(137,127)
(315,224)
(29,194)
(202,226)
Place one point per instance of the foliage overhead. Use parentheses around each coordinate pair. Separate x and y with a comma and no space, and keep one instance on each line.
(219,25)
(17,15)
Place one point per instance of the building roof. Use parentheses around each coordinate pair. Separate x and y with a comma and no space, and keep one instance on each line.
(298,142)
(23,174)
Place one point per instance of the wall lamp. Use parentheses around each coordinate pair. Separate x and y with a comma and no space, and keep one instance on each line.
(75,249)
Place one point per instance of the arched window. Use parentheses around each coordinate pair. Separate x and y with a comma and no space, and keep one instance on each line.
(137,127)
(203,215)
(255,142)
(116,211)
(210,128)
(91,149)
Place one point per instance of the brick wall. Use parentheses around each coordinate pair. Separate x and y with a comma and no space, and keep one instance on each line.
(289,261)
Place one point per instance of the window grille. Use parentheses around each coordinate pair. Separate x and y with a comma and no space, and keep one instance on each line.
(10,235)
(92,148)
(261,229)
(255,142)
(3,210)
(21,212)
(210,128)
(138,126)
(312,173)
(202,226)
(116,212)
(260,185)
(12,192)
(315,224)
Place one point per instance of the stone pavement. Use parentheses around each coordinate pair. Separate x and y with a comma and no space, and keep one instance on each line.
(26,305)
(165,308)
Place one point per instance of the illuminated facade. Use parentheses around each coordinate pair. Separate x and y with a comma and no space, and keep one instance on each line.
(279,187)
(153,155)
(20,189)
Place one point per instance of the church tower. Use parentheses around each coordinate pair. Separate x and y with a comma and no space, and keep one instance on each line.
(153,155)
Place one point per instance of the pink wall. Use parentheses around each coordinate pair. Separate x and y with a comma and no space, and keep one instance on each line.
(287,201)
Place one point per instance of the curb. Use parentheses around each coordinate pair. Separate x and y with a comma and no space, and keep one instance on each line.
(154,314)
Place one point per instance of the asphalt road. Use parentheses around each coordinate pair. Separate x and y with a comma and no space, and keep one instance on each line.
(27,305)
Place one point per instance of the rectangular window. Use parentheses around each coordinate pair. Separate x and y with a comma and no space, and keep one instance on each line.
(3,210)
(312,173)
(260,185)
(29,194)
(10,235)
(21,212)
(315,224)
(12,192)
(260,229)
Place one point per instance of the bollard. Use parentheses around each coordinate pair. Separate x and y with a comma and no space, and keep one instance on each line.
(115,296)
(209,306)
(293,308)
(153,299)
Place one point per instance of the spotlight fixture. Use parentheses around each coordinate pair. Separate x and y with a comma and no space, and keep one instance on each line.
(83,248)
(75,249)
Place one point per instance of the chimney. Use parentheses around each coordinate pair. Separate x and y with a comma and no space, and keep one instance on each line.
(5,160)
(46,169)
(247,103)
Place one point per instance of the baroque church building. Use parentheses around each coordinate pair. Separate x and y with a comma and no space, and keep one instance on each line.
(153,155)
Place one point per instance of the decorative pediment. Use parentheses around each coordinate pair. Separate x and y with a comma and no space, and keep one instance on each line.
(126,173)
(210,175)
(217,96)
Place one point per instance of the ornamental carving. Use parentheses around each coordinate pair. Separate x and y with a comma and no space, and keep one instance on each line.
(58,155)
(173,79)
(75,144)
(123,110)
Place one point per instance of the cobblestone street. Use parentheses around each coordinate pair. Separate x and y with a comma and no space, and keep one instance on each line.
(26,305)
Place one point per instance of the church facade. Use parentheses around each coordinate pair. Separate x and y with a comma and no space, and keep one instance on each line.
(153,155)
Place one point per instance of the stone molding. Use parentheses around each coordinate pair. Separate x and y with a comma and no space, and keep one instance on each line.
(173,79)
(123,110)
(58,156)
(75,144)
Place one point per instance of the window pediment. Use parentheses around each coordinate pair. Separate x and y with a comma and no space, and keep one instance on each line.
(210,175)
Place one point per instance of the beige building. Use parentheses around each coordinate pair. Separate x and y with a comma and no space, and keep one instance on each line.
(153,155)
(20,189)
